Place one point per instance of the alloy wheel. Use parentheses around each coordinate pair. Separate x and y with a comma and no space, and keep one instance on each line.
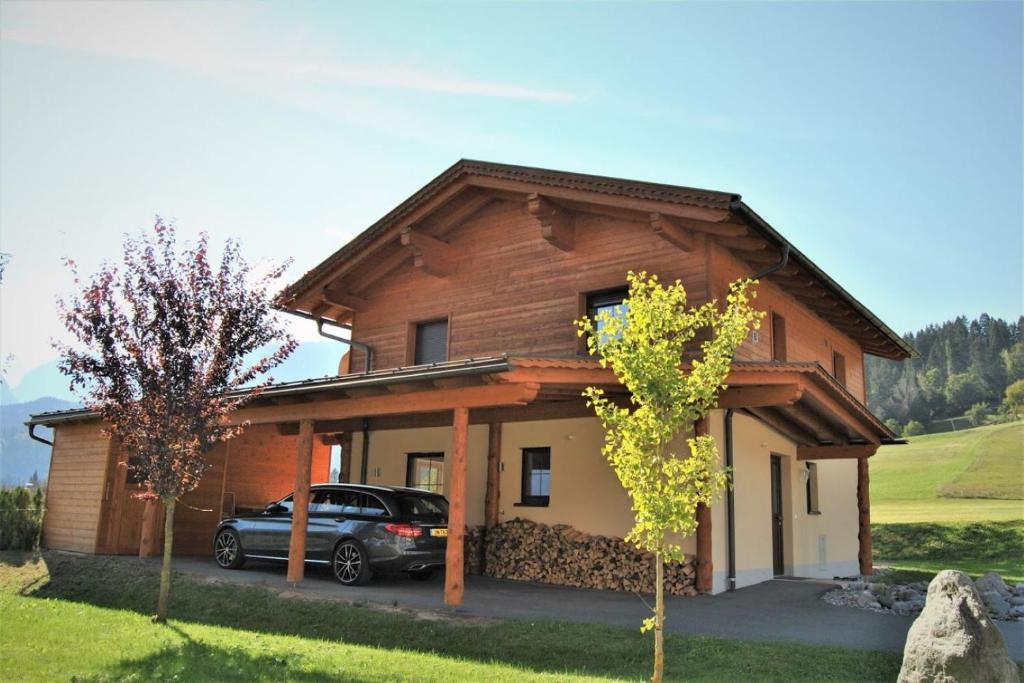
(348,563)
(226,550)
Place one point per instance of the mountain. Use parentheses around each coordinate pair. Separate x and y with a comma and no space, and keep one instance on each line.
(20,456)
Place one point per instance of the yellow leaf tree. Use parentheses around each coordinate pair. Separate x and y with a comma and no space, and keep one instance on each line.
(648,342)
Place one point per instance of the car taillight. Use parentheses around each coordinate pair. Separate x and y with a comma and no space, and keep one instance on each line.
(404,530)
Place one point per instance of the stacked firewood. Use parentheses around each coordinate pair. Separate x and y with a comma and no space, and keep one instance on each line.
(528,551)
(473,549)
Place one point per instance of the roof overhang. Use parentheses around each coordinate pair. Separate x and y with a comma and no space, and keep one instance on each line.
(799,400)
(417,229)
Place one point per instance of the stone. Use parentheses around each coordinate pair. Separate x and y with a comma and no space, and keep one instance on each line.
(993,582)
(953,639)
(905,606)
(867,599)
(1017,600)
(1017,612)
(886,597)
(856,586)
(1019,589)
(997,605)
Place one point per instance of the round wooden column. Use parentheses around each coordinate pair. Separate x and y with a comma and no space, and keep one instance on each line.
(864,518)
(300,503)
(454,550)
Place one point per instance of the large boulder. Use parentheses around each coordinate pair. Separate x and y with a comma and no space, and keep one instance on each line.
(954,640)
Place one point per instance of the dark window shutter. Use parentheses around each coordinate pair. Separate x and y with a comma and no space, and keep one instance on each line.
(431,342)
(778,337)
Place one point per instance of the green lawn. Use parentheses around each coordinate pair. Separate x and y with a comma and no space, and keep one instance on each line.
(974,548)
(970,475)
(85,618)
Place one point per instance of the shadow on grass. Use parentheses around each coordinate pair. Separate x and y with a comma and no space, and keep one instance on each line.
(539,646)
(198,661)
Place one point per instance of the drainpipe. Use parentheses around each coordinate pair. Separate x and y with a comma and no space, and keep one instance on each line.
(320,322)
(366,450)
(730,494)
(32,435)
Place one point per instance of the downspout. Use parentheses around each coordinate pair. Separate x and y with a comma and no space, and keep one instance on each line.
(366,450)
(730,495)
(32,435)
(320,322)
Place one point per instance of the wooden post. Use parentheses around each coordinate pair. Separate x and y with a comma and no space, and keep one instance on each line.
(454,551)
(300,503)
(705,567)
(150,537)
(492,499)
(346,458)
(864,518)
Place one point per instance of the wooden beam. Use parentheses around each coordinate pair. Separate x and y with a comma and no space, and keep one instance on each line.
(366,392)
(389,263)
(454,549)
(468,204)
(863,518)
(430,254)
(825,430)
(492,498)
(743,243)
(705,566)
(457,382)
(391,404)
(857,423)
(300,503)
(760,396)
(669,230)
(835,452)
(557,225)
(783,426)
(341,298)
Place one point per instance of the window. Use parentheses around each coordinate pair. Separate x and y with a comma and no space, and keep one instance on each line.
(778,337)
(536,476)
(431,343)
(612,302)
(839,367)
(425,471)
(337,502)
(287,503)
(372,507)
(433,508)
(812,489)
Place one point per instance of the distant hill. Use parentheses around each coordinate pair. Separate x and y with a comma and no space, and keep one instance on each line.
(20,456)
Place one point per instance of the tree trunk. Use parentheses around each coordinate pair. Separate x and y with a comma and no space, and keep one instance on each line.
(659,619)
(165,570)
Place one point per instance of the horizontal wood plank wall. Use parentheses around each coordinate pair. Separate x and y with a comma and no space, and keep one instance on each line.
(75,488)
(512,291)
(808,337)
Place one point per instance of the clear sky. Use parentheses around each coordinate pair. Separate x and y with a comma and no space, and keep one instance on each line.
(883,139)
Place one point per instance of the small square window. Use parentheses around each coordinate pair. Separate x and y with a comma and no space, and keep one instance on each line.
(536,476)
(431,343)
(612,302)
(425,471)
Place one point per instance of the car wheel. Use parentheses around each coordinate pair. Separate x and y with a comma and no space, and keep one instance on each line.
(422,575)
(350,563)
(227,549)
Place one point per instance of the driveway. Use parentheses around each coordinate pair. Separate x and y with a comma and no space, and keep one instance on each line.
(785,610)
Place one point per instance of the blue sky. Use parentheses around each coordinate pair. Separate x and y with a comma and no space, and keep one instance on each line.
(883,139)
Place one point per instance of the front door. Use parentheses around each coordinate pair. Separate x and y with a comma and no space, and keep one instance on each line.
(778,563)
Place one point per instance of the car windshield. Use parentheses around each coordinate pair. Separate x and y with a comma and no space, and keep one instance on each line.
(423,507)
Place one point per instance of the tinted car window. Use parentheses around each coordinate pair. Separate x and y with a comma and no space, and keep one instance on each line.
(287,503)
(373,507)
(425,507)
(337,502)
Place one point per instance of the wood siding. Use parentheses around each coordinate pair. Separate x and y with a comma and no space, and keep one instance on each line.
(75,491)
(808,337)
(513,291)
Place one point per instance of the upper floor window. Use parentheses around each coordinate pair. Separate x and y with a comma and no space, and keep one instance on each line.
(431,342)
(778,337)
(425,471)
(839,367)
(612,302)
(536,476)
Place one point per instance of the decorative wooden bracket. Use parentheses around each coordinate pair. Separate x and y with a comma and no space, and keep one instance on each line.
(430,254)
(671,231)
(557,225)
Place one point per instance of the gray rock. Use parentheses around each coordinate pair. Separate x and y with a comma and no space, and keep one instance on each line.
(993,582)
(1019,589)
(997,605)
(1017,600)
(867,599)
(887,597)
(906,606)
(855,586)
(954,640)
(1017,612)
(907,593)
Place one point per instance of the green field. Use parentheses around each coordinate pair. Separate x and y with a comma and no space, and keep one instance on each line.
(970,475)
(85,618)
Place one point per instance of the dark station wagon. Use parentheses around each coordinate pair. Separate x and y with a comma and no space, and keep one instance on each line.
(356,529)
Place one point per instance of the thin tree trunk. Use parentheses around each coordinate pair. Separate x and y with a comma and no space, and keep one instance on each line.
(165,570)
(659,619)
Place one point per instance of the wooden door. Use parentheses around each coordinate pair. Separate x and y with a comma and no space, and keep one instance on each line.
(778,561)
(130,529)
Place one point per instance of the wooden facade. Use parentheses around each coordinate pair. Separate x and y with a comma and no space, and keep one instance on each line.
(508,257)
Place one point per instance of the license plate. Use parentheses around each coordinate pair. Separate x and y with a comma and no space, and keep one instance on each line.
(439,533)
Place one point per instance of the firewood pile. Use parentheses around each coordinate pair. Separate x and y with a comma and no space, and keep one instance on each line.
(473,549)
(528,551)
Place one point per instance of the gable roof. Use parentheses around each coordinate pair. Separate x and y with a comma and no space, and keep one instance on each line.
(699,204)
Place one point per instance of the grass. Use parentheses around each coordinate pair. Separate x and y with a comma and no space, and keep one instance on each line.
(974,548)
(970,475)
(86,618)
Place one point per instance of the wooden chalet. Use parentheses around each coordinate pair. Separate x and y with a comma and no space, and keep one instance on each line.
(464,375)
